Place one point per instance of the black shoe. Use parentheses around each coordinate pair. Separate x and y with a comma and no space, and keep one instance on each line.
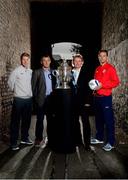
(87,148)
(79,143)
(27,142)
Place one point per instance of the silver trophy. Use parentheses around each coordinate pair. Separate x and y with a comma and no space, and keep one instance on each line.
(63,75)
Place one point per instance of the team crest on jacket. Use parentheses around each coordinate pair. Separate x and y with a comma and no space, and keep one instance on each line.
(104,71)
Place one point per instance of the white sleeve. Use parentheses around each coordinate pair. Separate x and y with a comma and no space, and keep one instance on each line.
(11,80)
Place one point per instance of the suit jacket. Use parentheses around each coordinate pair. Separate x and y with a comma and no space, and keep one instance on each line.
(81,91)
(39,86)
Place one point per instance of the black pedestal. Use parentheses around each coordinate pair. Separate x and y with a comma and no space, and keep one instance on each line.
(62,138)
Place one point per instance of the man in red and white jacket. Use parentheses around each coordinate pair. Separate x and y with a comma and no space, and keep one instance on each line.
(108,79)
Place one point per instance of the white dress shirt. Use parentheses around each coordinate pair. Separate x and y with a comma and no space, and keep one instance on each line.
(20,82)
(76,75)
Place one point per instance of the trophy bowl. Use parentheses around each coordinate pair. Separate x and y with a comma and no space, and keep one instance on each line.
(63,75)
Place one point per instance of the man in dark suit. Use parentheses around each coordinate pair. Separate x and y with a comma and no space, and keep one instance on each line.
(43,83)
(81,101)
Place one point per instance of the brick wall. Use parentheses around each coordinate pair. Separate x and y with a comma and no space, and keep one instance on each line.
(115,39)
(14,39)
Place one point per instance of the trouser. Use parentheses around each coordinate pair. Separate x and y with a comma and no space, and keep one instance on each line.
(21,111)
(83,112)
(42,110)
(86,126)
(104,119)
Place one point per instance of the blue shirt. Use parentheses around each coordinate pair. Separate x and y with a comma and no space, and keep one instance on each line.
(48,80)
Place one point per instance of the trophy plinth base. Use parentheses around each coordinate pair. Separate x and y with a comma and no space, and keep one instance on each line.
(62,136)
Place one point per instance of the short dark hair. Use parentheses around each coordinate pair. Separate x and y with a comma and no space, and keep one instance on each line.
(103,50)
(45,56)
(24,54)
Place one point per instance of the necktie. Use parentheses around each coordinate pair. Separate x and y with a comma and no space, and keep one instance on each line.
(73,77)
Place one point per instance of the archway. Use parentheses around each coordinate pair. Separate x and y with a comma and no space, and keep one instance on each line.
(78,22)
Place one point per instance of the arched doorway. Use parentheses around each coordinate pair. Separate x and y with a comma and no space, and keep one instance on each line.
(78,21)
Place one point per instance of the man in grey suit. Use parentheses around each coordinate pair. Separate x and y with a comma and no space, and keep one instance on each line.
(43,83)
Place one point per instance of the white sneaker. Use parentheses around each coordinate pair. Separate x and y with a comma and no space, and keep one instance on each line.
(46,140)
(15,147)
(108,147)
(44,143)
(96,141)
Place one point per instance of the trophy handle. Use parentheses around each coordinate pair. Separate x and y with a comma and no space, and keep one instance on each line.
(56,74)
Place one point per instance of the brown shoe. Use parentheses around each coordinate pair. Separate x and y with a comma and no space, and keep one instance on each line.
(37,143)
